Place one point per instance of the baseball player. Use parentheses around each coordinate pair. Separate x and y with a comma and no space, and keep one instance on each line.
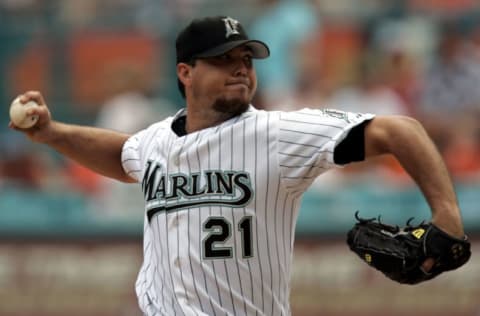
(223,181)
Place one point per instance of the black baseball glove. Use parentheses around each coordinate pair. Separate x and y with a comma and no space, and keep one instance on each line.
(399,252)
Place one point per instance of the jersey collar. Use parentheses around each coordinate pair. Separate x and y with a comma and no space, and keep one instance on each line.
(180,119)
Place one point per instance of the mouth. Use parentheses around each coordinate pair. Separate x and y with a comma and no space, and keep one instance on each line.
(238,84)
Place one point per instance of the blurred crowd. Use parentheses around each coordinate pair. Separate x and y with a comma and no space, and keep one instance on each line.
(110,64)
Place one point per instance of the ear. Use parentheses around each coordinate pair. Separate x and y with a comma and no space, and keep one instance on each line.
(184,73)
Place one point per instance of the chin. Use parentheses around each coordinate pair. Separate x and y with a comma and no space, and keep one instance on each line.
(231,106)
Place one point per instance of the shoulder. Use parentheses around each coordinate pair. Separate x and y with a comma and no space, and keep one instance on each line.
(159,127)
(308,116)
(324,116)
(137,140)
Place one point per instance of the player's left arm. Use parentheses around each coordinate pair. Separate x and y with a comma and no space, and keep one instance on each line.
(406,139)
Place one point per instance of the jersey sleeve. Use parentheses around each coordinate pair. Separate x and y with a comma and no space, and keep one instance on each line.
(131,157)
(307,141)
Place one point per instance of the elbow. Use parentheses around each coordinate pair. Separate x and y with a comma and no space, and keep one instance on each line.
(408,124)
(409,121)
(385,133)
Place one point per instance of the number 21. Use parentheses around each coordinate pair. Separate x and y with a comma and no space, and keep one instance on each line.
(220,230)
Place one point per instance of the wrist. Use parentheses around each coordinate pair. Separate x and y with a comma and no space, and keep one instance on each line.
(51,134)
(450,222)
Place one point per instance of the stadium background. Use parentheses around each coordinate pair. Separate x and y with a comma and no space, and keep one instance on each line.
(70,241)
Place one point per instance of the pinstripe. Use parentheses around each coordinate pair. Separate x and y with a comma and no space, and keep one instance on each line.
(210,213)
(284,239)
(221,213)
(298,144)
(275,227)
(159,259)
(305,133)
(178,232)
(266,208)
(295,155)
(162,275)
(309,167)
(153,251)
(141,284)
(193,279)
(289,237)
(277,239)
(282,153)
(157,255)
(200,238)
(255,207)
(166,296)
(174,297)
(311,113)
(286,177)
(245,213)
(312,123)
(232,142)
(295,202)
(152,139)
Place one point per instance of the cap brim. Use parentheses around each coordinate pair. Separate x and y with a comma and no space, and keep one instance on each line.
(259,49)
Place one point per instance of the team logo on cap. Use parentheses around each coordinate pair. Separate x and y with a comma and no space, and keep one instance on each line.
(231,26)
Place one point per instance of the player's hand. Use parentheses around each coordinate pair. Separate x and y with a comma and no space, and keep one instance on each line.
(409,254)
(450,223)
(41,131)
(427,265)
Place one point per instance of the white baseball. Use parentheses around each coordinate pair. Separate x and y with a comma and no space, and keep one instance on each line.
(18,113)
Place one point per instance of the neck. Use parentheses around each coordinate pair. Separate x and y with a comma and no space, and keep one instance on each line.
(198,119)
(201,117)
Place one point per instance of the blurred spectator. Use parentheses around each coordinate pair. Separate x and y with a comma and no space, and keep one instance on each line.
(450,104)
(153,16)
(461,156)
(16,4)
(402,71)
(325,61)
(313,90)
(406,44)
(369,93)
(128,109)
(473,45)
(283,25)
(451,84)
(20,164)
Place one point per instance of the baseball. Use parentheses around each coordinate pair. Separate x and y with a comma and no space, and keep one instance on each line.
(18,113)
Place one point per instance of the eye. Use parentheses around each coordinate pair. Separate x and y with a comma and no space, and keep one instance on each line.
(248,60)
(224,57)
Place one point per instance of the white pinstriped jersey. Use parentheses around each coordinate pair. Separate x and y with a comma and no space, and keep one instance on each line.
(221,208)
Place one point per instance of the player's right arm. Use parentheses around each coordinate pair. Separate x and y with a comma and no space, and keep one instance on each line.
(95,148)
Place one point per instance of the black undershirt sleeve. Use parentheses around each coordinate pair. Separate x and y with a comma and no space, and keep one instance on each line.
(352,148)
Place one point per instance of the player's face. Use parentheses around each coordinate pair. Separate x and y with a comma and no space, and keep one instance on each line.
(227,82)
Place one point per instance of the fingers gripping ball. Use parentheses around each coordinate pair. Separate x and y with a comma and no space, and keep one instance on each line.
(399,252)
(19,116)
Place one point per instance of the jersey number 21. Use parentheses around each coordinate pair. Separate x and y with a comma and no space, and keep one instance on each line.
(219,231)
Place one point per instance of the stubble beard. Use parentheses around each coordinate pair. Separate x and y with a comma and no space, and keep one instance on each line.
(230,107)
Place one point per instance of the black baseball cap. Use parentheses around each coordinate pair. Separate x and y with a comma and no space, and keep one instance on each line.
(214,36)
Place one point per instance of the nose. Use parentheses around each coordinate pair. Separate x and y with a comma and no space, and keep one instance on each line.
(241,69)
